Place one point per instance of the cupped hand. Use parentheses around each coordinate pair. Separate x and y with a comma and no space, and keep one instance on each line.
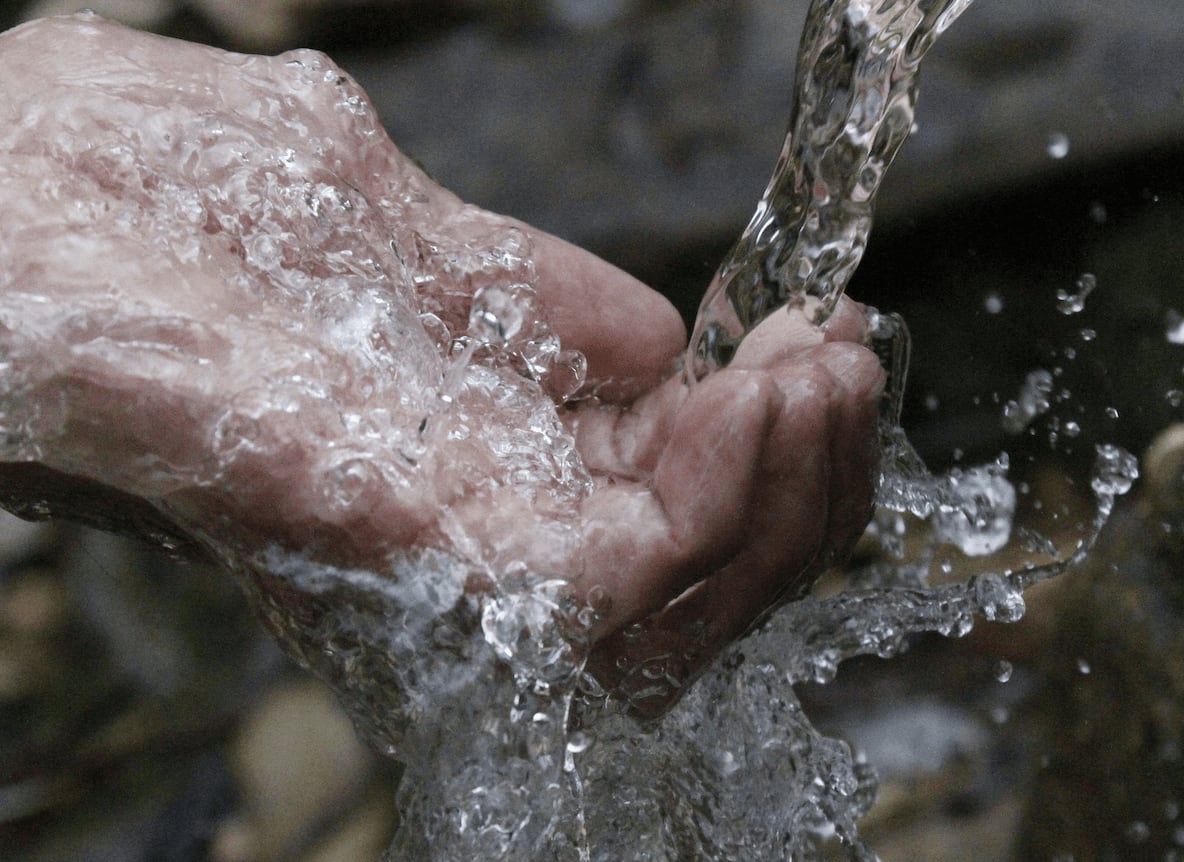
(233,315)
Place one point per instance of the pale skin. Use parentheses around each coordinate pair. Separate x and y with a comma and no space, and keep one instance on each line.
(709,505)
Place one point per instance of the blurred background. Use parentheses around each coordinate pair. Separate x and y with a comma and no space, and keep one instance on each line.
(143,716)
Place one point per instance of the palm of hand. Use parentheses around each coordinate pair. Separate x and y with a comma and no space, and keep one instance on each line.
(249,323)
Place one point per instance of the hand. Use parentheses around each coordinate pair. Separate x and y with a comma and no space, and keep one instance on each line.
(232,314)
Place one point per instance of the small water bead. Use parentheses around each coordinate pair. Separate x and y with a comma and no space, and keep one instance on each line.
(1137,832)
(1003,670)
(1115,470)
(497,314)
(1174,327)
(1058,145)
(1083,666)
(1175,397)
(993,302)
(1033,401)
(1088,334)
(1073,302)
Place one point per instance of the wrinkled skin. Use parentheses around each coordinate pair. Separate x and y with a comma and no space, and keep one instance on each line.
(147,332)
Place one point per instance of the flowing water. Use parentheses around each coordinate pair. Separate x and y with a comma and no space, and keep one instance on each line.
(511,750)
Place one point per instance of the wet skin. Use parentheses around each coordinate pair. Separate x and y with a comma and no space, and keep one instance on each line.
(129,324)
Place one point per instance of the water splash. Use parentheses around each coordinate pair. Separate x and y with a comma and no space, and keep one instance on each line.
(471,672)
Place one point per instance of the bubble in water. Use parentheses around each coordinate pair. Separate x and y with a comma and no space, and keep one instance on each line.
(1072,302)
(1058,145)
(496,315)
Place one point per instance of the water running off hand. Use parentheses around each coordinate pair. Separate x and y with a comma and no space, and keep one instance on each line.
(736,771)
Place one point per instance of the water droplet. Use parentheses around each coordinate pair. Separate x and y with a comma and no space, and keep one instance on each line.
(1115,470)
(993,302)
(1175,397)
(1003,670)
(1137,832)
(1088,334)
(579,741)
(1058,145)
(496,315)
(1174,328)
(1083,666)
(1033,401)
(1097,212)
(1072,302)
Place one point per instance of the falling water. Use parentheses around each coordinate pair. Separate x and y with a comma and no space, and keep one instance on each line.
(855,96)
(511,750)
(514,752)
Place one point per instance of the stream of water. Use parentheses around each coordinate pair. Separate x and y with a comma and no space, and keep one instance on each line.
(513,752)
(546,767)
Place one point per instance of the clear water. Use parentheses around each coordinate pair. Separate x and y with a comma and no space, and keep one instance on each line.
(511,750)
(855,95)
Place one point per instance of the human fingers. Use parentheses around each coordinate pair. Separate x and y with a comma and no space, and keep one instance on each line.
(811,500)
(646,542)
(785,333)
(629,333)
